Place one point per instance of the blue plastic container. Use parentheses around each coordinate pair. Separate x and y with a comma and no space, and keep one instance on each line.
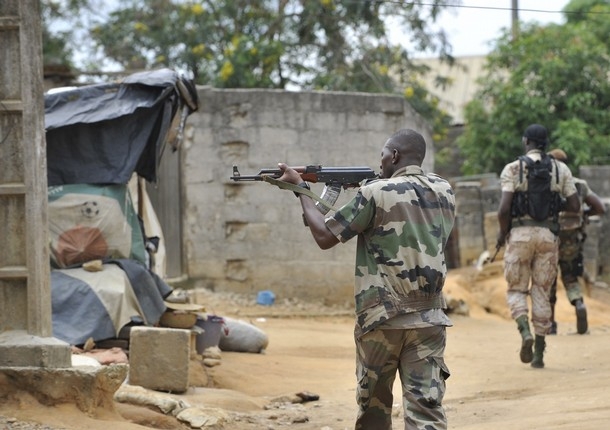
(265,298)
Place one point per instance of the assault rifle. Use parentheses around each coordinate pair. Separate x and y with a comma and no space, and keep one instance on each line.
(334,178)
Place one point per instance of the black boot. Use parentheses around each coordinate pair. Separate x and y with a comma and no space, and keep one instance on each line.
(539,345)
(527,339)
(581,316)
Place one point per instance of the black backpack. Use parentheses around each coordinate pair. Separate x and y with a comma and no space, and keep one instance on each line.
(539,202)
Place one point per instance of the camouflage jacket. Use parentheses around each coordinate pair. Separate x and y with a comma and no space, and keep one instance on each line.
(403,224)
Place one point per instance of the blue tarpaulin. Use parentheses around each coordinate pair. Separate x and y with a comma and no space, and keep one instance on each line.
(98,304)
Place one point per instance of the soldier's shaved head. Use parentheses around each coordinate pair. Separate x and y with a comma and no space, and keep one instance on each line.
(406,147)
(410,144)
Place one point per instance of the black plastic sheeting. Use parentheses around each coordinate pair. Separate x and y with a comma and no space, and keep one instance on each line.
(103,133)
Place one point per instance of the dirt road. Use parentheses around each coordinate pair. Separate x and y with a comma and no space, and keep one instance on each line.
(489,387)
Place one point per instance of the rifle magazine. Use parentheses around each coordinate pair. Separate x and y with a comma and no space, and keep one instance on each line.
(330,194)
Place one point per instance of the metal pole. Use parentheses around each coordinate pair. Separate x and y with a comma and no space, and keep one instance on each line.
(515,19)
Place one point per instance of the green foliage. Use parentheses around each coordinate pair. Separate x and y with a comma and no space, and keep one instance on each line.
(556,76)
(334,45)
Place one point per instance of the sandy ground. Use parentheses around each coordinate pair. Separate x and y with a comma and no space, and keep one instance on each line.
(312,350)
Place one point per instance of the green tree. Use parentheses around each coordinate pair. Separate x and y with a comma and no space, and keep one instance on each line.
(335,45)
(555,75)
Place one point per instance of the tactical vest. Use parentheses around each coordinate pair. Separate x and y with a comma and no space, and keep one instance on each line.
(539,203)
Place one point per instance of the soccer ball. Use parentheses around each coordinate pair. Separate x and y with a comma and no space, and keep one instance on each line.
(90,209)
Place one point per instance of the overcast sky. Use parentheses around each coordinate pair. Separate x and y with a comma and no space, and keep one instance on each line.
(471,26)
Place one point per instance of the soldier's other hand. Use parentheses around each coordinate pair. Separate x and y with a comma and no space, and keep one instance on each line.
(289,174)
(501,240)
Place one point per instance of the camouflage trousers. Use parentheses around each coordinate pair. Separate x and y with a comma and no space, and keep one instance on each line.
(417,356)
(530,267)
(571,243)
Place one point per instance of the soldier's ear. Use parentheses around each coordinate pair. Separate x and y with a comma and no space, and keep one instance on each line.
(395,156)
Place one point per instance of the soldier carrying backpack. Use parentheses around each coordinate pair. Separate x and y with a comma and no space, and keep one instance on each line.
(535,189)
(537,200)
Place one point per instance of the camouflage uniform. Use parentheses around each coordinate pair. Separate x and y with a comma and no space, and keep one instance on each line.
(403,224)
(532,248)
(571,241)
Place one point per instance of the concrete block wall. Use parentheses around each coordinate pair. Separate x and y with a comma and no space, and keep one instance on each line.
(249,236)
(598,178)
(469,221)
(476,197)
(597,231)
